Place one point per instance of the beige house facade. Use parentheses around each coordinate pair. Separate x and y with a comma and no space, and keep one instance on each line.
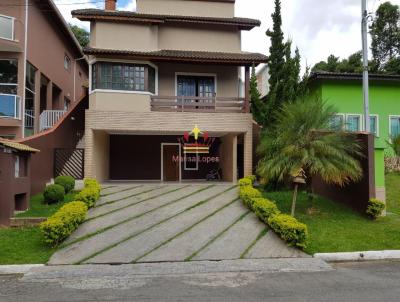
(165,98)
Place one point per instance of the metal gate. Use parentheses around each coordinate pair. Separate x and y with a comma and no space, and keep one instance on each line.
(69,162)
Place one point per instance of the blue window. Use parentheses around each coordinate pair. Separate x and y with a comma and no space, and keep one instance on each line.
(353,123)
(394,126)
(336,122)
(9,106)
(373,124)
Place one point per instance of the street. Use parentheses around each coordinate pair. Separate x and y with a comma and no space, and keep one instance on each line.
(368,281)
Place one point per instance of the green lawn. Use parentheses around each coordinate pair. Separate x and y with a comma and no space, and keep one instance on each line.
(334,227)
(26,245)
(393,192)
(23,246)
(38,208)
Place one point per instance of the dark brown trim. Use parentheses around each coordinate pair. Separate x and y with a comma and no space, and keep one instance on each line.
(132,17)
(352,76)
(179,56)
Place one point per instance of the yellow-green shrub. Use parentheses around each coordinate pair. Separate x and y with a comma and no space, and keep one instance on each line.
(247,193)
(375,208)
(289,229)
(264,208)
(244,182)
(89,195)
(92,183)
(62,223)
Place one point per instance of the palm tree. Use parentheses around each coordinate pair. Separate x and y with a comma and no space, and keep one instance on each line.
(299,141)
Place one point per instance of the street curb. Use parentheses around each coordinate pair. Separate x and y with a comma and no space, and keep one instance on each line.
(18,269)
(359,256)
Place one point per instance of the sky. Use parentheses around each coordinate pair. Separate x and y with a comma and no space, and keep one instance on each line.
(317,27)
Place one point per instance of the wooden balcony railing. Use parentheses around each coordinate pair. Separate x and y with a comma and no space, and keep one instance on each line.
(198,104)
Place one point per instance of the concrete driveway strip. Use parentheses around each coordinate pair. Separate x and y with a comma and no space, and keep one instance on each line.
(138,246)
(81,250)
(127,194)
(234,242)
(116,189)
(161,196)
(147,203)
(271,246)
(194,239)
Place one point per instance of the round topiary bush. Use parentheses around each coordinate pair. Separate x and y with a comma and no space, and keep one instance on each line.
(53,194)
(67,182)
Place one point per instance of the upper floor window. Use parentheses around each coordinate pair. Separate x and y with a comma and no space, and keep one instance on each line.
(353,122)
(374,124)
(8,76)
(6,27)
(394,126)
(123,76)
(67,63)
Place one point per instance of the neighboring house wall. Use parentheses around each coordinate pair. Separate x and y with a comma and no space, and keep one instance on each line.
(47,46)
(65,134)
(216,8)
(15,191)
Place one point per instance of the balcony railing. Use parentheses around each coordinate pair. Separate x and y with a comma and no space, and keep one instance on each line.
(48,118)
(198,104)
(10,106)
(29,118)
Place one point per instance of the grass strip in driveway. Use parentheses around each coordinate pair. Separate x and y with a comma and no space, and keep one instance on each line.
(129,196)
(216,237)
(135,217)
(156,224)
(185,230)
(261,235)
(123,190)
(141,201)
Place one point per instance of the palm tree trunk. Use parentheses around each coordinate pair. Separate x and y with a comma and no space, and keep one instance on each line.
(294,199)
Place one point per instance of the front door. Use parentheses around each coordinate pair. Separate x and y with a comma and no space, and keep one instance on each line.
(171,162)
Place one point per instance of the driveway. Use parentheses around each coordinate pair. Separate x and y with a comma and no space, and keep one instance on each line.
(134,223)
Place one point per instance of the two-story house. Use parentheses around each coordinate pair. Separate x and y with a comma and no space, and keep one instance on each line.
(42,67)
(165,91)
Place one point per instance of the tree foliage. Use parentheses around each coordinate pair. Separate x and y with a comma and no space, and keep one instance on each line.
(81,34)
(284,69)
(385,46)
(385,33)
(297,141)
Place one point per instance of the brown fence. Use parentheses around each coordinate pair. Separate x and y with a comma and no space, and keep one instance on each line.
(64,135)
(69,162)
(355,194)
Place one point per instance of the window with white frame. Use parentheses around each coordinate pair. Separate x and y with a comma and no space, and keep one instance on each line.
(394,126)
(374,124)
(353,122)
(9,100)
(67,62)
(123,76)
(6,27)
(337,122)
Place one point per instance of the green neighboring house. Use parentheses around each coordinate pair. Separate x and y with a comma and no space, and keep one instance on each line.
(345,92)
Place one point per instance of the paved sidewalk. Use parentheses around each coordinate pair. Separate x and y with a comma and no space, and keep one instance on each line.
(134,223)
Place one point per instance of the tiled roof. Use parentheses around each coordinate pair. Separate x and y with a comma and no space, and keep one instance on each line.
(352,76)
(17,146)
(242,58)
(126,16)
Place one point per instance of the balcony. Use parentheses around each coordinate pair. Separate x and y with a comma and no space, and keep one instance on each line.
(10,106)
(199,104)
(48,118)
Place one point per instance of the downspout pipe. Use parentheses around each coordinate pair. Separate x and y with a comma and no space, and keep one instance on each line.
(25,66)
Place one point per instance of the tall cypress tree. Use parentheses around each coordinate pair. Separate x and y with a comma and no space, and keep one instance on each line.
(257,106)
(276,66)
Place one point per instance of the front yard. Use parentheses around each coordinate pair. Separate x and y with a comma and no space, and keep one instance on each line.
(335,227)
(26,245)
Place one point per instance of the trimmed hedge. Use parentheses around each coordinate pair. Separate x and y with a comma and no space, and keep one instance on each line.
(293,232)
(53,194)
(287,227)
(247,193)
(68,182)
(91,192)
(59,226)
(375,208)
(264,208)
